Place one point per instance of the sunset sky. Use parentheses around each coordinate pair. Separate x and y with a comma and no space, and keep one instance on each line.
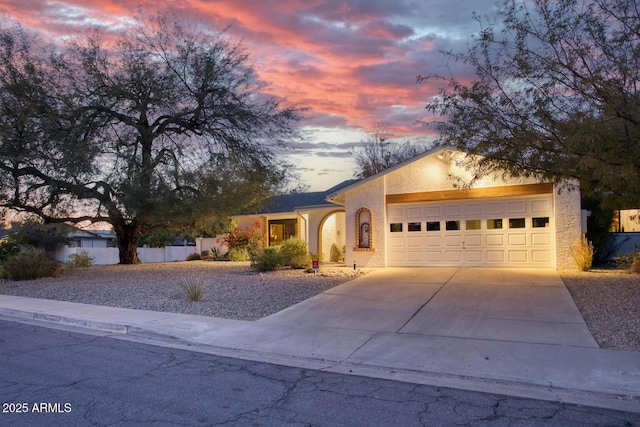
(352,63)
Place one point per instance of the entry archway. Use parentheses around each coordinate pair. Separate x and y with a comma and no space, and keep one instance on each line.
(331,237)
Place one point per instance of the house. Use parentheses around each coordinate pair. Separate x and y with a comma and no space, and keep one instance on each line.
(413,214)
(92,239)
(308,216)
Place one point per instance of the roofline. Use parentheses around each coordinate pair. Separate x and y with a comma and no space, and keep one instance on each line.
(389,170)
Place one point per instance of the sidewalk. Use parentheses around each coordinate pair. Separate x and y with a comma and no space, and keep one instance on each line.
(508,332)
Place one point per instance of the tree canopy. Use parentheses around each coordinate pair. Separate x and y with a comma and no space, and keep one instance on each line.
(555,94)
(155,126)
(380,151)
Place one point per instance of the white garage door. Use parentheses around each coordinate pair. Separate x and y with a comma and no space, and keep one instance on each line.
(505,232)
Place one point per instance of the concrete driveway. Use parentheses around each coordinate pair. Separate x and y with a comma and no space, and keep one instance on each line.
(515,305)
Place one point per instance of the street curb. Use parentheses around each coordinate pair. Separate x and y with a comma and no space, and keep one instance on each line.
(477,384)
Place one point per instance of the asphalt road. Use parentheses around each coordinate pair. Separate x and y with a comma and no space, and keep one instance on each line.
(51,377)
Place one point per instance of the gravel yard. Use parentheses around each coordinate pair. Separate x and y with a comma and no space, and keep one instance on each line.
(231,290)
(609,300)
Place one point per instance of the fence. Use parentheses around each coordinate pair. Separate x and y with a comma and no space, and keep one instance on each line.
(106,256)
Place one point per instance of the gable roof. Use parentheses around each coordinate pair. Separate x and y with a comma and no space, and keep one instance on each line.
(296,201)
(337,196)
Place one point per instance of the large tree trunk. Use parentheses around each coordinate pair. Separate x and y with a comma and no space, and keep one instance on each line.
(128,235)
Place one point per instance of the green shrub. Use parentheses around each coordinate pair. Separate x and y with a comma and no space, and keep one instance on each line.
(237,254)
(624,261)
(194,257)
(30,263)
(192,288)
(79,260)
(582,253)
(206,255)
(635,265)
(294,253)
(269,259)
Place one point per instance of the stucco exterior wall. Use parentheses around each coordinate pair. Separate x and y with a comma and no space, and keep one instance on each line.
(370,195)
(568,215)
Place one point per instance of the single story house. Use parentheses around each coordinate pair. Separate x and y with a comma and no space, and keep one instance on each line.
(413,214)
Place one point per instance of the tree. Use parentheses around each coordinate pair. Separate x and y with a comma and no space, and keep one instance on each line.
(150,128)
(556,95)
(380,152)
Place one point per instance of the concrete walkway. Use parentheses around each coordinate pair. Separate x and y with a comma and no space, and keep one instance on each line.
(510,331)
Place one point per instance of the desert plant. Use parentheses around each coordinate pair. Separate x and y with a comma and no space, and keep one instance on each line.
(206,255)
(217,254)
(294,253)
(192,288)
(30,263)
(269,259)
(195,256)
(582,253)
(79,260)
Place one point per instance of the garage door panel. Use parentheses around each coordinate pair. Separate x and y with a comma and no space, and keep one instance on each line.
(495,257)
(474,257)
(453,210)
(432,211)
(519,239)
(415,257)
(517,256)
(433,256)
(517,207)
(540,239)
(396,242)
(473,240)
(453,256)
(395,213)
(414,212)
(541,256)
(455,241)
(494,208)
(435,241)
(540,206)
(495,240)
(414,242)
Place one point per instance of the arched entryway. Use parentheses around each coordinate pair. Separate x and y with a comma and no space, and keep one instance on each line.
(331,237)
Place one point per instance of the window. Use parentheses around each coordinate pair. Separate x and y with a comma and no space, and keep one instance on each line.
(626,221)
(540,222)
(433,226)
(516,223)
(396,227)
(473,224)
(414,226)
(281,230)
(452,225)
(494,224)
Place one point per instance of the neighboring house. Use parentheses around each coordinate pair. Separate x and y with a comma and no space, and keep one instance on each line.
(412,214)
(92,239)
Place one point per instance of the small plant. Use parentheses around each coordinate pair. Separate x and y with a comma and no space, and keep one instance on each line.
(192,288)
(624,261)
(30,263)
(194,257)
(79,260)
(582,254)
(294,253)
(635,265)
(269,259)
(217,254)
(237,254)
(206,255)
